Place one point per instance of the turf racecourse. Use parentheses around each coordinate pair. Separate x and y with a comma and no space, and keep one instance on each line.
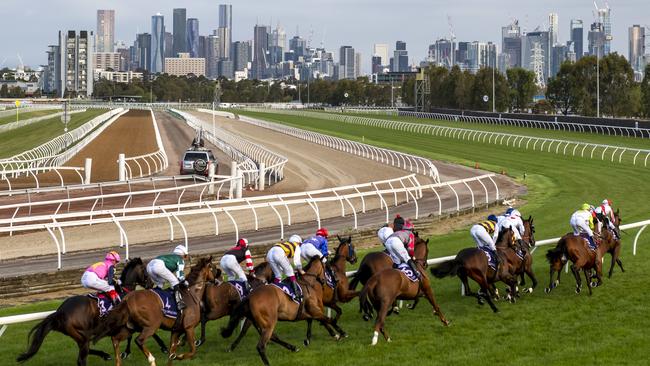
(608,328)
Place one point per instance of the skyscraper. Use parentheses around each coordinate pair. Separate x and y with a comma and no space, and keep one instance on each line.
(260,47)
(105,30)
(76,64)
(298,46)
(577,37)
(225,16)
(224,42)
(143,51)
(192,39)
(225,29)
(536,55)
(511,44)
(400,57)
(604,18)
(597,40)
(169,45)
(553,28)
(346,63)
(381,50)
(376,66)
(636,47)
(157,43)
(180,37)
(240,55)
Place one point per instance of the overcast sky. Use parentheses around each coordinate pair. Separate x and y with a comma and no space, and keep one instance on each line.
(28,27)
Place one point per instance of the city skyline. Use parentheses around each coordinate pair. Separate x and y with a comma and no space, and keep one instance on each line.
(336,28)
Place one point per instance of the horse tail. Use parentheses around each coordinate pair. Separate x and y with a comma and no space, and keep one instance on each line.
(238,314)
(117,318)
(365,306)
(447,268)
(36,336)
(556,253)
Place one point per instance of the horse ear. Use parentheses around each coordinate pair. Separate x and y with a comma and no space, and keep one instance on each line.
(338,237)
(530,218)
(427,241)
(350,238)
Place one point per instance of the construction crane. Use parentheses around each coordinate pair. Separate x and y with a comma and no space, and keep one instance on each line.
(452,36)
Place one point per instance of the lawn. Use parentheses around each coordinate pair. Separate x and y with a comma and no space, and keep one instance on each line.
(562,328)
(28,137)
(27,115)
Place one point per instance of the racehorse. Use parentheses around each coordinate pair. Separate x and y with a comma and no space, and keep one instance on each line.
(613,243)
(473,263)
(263,271)
(526,265)
(142,311)
(384,288)
(344,252)
(79,315)
(378,261)
(268,304)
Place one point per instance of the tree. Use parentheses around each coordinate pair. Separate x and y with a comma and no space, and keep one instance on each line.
(645,93)
(616,85)
(4,91)
(583,89)
(522,88)
(559,90)
(483,86)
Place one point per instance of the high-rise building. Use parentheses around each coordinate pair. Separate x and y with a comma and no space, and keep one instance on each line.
(224,42)
(480,54)
(260,47)
(105,30)
(604,18)
(157,44)
(597,40)
(636,47)
(577,37)
(108,61)
(125,59)
(511,44)
(204,46)
(75,65)
(225,16)
(559,54)
(535,55)
(346,63)
(381,50)
(192,40)
(184,65)
(442,53)
(169,45)
(553,29)
(51,74)
(462,53)
(225,30)
(180,31)
(400,57)
(278,42)
(298,46)
(357,64)
(241,55)
(212,56)
(143,51)
(375,64)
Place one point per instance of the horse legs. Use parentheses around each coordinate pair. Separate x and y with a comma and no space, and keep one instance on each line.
(204,321)
(84,349)
(308,337)
(576,274)
(465,283)
(122,335)
(287,345)
(265,336)
(616,260)
(335,322)
(382,312)
(428,291)
(551,283)
(242,333)
(531,274)
(189,337)
(139,341)
(588,280)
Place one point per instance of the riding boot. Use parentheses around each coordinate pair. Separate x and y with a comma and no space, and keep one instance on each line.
(296,290)
(248,286)
(497,261)
(332,274)
(414,267)
(115,298)
(179,298)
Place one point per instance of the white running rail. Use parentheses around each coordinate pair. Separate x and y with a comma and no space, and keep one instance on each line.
(148,164)
(7,175)
(26,122)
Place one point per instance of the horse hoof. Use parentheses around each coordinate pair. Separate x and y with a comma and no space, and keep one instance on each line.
(389,340)
(410,306)
(107,358)
(295,349)
(547,290)
(306,342)
(530,290)
(578,290)
(366,317)
(172,356)
(124,355)
(344,335)
(337,337)
(164,350)
(198,342)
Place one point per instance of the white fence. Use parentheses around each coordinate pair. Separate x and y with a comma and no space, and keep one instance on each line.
(57,151)
(148,164)
(410,163)
(6,175)
(582,149)
(251,158)
(26,122)
(138,105)
(548,125)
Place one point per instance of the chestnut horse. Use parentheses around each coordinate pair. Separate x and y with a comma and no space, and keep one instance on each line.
(384,288)
(142,311)
(268,304)
(473,263)
(79,315)
(613,243)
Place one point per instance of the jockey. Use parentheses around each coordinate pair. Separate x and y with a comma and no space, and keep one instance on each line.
(604,211)
(512,221)
(384,233)
(279,256)
(401,246)
(485,235)
(315,246)
(582,221)
(169,268)
(233,257)
(100,276)
(398,223)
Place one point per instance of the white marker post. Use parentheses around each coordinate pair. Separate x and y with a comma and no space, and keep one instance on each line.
(121,167)
(88,170)
(261,182)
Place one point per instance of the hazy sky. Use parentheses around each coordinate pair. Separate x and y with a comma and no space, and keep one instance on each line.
(28,27)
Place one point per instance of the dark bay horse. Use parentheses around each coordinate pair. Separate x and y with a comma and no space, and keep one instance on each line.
(79,315)
(378,261)
(331,296)
(526,266)
(384,288)
(613,242)
(473,263)
(142,311)
(268,304)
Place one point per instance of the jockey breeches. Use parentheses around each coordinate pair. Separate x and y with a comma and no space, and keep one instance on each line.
(279,263)
(398,253)
(232,268)
(159,274)
(307,251)
(91,281)
(482,238)
(580,226)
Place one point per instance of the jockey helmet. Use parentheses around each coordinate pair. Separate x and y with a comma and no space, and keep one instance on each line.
(180,250)
(408,225)
(493,218)
(607,202)
(242,242)
(515,213)
(113,256)
(322,232)
(509,211)
(398,222)
(585,206)
(295,239)
(384,233)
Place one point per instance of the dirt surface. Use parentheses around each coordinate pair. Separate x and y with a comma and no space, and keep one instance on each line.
(176,137)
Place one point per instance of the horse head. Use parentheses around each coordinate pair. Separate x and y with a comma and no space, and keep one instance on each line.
(421,250)
(529,232)
(316,268)
(346,249)
(134,274)
(506,239)
(203,271)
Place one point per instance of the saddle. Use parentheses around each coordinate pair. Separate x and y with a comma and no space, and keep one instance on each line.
(167,298)
(407,271)
(287,289)
(104,302)
(329,278)
(594,246)
(491,257)
(241,288)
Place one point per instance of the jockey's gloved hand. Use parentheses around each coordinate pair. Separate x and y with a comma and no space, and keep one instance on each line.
(323,259)
(186,284)
(119,282)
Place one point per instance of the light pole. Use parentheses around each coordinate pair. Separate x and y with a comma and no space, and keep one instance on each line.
(494,109)
(598,81)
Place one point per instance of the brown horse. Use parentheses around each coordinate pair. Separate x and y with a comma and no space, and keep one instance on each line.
(79,315)
(263,271)
(526,265)
(142,311)
(613,242)
(268,304)
(331,296)
(376,262)
(473,263)
(384,288)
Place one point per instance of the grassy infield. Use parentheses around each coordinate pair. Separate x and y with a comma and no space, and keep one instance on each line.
(562,328)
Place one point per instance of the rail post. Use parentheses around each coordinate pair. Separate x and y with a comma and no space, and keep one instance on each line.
(233,175)
(240,184)
(87,170)
(121,167)
(261,175)
(211,173)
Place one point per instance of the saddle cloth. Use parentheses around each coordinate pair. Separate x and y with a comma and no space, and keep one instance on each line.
(170,308)
(286,288)
(585,237)
(240,286)
(408,272)
(104,303)
(492,261)
(329,279)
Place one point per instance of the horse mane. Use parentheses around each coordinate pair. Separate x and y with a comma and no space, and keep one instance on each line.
(344,241)
(502,233)
(197,268)
(137,261)
(311,261)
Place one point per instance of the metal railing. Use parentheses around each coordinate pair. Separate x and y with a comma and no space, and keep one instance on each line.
(7,175)
(148,164)
(25,122)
